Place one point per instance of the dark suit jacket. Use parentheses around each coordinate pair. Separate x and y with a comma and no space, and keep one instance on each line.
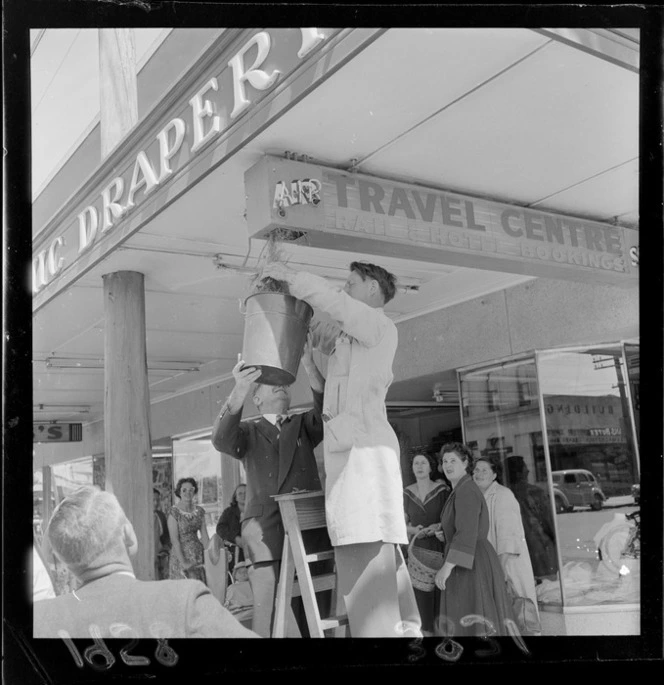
(275,463)
(144,609)
(165,538)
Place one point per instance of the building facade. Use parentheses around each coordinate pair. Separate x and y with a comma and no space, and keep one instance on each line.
(506,203)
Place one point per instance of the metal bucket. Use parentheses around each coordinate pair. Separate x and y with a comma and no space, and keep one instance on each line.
(275,332)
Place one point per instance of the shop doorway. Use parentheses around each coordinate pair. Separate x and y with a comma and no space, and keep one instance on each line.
(424,426)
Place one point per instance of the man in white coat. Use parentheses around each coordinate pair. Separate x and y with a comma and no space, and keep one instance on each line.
(363,485)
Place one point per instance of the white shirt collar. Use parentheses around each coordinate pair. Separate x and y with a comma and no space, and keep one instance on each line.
(272,418)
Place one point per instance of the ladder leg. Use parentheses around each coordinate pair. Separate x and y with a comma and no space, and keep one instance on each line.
(291,524)
(282,609)
(340,610)
(304,511)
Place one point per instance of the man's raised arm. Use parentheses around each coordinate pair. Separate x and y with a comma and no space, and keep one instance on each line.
(227,435)
(362,322)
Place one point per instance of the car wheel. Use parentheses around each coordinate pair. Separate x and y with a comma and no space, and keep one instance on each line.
(597,503)
(560,506)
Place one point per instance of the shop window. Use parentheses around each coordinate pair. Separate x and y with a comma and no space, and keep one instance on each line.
(632,360)
(421,429)
(572,465)
(492,393)
(39,509)
(589,422)
(526,393)
(514,438)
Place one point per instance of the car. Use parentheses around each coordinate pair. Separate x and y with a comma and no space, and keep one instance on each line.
(580,488)
(636,493)
(561,501)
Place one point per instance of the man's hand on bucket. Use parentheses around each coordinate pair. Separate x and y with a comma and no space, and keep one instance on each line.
(244,377)
(278,271)
(308,352)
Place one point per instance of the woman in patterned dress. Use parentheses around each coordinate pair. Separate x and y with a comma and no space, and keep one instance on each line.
(185,519)
(423,503)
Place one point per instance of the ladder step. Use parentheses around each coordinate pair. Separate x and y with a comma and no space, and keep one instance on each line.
(319,556)
(326,581)
(334,622)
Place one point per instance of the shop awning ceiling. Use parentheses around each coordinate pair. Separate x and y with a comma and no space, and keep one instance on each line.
(507,114)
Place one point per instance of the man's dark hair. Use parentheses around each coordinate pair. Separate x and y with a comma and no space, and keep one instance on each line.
(516,467)
(386,281)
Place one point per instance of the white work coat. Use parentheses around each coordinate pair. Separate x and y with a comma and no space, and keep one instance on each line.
(363,484)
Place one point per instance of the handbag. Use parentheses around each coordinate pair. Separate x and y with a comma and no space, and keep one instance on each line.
(524,610)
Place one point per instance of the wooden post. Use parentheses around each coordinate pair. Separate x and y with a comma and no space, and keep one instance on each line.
(118,93)
(127,409)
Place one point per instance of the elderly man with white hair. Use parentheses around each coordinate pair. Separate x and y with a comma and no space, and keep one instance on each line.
(91,534)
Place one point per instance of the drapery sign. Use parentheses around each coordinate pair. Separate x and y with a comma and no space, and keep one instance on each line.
(145,177)
(365,214)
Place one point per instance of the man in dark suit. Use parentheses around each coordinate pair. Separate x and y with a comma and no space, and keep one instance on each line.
(91,534)
(162,538)
(277,452)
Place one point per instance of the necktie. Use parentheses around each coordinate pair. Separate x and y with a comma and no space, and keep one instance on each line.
(280,421)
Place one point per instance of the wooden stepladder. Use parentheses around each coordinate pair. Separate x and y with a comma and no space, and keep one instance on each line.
(305,511)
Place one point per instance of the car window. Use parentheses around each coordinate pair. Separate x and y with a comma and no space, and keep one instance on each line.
(583,477)
(569,478)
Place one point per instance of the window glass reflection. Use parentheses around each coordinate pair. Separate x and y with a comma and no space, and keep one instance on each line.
(502,419)
(594,468)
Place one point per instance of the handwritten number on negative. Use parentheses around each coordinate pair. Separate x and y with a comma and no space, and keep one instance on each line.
(121,629)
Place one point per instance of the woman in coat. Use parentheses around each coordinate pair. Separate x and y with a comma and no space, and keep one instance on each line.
(506,532)
(474,599)
(423,503)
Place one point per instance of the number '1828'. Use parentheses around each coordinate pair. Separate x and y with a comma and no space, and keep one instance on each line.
(100,657)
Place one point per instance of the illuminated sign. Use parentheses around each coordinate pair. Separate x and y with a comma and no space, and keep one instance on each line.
(206,114)
(57,432)
(364,214)
(304,192)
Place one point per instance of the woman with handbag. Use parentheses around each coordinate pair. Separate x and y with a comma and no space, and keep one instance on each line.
(423,503)
(473,600)
(508,538)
